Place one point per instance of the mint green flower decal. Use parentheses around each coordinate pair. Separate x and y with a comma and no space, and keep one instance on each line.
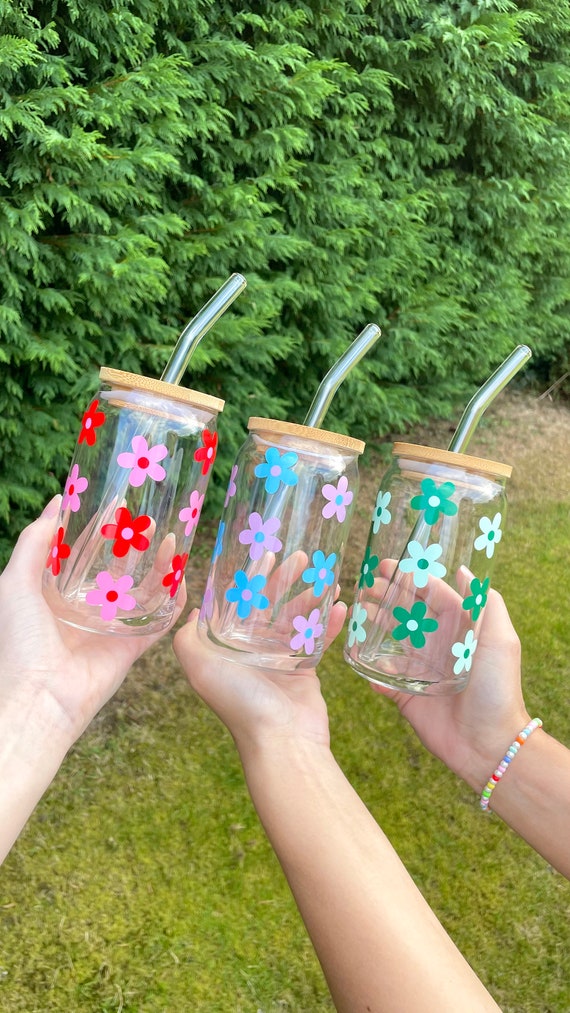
(422,562)
(369,564)
(491,536)
(435,500)
(464,653)
(381,514)
(413,624)
(476,601)
(356,631)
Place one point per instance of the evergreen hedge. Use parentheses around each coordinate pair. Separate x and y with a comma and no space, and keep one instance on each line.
(403,162)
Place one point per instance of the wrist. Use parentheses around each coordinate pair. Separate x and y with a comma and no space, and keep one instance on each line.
(36,723)
(489,748)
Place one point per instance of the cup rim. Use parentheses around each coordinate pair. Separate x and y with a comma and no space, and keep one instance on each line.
(148,385)
(434,455)
(306,432)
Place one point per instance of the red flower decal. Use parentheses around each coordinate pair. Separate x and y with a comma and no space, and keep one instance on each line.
(58,550)
(92,419)
(174,578)
(207,453)
(127,532)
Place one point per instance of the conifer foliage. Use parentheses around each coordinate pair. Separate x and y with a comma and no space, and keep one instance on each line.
(398,161)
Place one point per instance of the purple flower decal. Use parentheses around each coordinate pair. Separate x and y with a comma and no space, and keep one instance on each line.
(307,630)
(112,594)
(321,573)
(74,485)
(143,461)
(247,593)
(260,536)
(339,497)
(277,468)
(191,513)
(207,608)
(231,485)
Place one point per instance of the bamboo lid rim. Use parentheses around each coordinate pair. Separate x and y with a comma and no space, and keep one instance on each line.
(306,432)
(148,385)
(436,456)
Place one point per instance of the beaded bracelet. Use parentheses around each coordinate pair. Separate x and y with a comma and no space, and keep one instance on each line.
(504,764)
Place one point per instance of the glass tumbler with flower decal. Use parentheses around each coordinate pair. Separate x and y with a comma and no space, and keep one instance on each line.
(425,577)
(281,539)
(131,504)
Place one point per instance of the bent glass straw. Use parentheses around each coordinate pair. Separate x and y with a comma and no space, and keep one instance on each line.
(337,373)
(199,325)
(485,396)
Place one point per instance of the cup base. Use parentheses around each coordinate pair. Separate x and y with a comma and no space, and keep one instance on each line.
(404,684)
(81,617)
(262,657)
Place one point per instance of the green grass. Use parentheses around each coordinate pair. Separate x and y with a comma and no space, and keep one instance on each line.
(144,881)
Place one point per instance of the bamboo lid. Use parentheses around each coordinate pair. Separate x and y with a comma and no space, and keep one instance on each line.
(147,384)
(307,433)
(436,456)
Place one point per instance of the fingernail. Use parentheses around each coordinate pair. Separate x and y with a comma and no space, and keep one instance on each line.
(52,508)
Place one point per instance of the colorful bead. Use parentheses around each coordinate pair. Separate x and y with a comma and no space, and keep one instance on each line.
(504,764)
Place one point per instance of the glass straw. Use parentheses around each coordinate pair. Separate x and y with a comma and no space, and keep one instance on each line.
(485,396)
(199,325)
(337,373)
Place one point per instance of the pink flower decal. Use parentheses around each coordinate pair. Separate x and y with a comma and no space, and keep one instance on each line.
(74,485)
(339,497)
(143,461)
(92,419)
(307,630)
(260,536)
(112,594)
(231,485)
(174,578)
(207,453)
(127,532)
(191,514)
(58,550)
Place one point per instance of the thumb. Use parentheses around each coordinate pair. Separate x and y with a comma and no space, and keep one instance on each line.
(28,558)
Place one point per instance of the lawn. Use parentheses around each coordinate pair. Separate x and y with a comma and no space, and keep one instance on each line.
(144,882)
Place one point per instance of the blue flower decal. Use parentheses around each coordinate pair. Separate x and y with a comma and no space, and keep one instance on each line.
(321,573)
(247,593)
(277,468)
(219,541)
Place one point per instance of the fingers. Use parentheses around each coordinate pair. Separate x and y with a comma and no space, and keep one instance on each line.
(29,556)
(497,629)
(336,622)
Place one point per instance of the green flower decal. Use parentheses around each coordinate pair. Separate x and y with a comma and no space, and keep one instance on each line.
(369,564)
(413,624)
(476,601)
(435,500)
(356,631)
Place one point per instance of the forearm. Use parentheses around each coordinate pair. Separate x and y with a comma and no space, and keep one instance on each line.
(380,945)
(33,744)
(533,796)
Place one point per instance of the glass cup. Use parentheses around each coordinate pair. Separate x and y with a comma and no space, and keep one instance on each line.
(426,572)
(131,504)
(281,539)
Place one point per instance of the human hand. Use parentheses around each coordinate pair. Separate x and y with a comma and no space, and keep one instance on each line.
(469,731)
(46,662)
(257,704)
